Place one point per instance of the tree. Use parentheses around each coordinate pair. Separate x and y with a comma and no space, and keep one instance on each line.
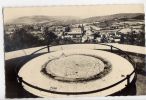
(103,39)
(7,42)
(49,37)
(122,40)
(25,37)
(131,37)
(20,39)
(141,39)
(67,28)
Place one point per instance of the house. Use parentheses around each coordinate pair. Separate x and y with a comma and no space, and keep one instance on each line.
(89,35)
(95,28)
(75,34)
(87,27)
(125,30)
(60,29)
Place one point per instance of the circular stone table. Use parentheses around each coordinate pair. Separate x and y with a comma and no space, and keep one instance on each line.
(74,68)
(71,65)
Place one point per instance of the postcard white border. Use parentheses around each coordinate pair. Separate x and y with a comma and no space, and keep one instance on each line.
(25,3)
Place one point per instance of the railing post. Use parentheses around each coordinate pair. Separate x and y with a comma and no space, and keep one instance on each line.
(128,80)
(111,48)
(48,48)
(20,80)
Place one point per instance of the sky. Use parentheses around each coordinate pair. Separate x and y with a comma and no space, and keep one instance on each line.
(77,11)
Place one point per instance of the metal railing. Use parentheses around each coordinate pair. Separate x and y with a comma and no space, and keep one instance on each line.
(20,79)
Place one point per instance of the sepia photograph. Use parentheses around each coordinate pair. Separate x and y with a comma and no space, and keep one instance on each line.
(74,51)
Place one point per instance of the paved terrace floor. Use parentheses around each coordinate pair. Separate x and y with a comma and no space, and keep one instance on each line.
(127,48)
(32,73)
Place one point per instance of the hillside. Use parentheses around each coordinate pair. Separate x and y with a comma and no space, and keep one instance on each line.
(61,20)
(44,20)
(114,16)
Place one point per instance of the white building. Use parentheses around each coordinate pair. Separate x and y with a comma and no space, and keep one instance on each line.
(75,34)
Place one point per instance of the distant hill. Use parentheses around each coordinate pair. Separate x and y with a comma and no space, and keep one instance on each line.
(44,20)
(114,16)
(61,20)
(139,17)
